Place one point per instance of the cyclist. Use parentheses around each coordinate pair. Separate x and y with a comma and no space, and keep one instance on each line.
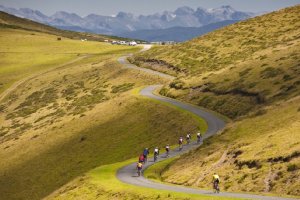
(156,153)
(167,150)
(188,138)
(199,137)
(145,154)
(216,181)
(142,158)
(180,142)
(139,167)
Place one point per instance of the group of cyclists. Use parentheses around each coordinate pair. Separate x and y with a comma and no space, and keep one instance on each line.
(144,156)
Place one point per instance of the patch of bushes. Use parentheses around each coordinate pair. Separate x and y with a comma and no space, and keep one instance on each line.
(25,126)
(260,112)
(69,92)
(2,108)
(264,65)
(245,72)
(250,164)
(288,158)
(57,113)
(24,112)
(34,102)
(89,100)
(164,91)
(205,101)
(122,88)
(242,178)
(177,84)
(287,77)
(252,85)
(270,72)
(263,57)
(292,167)
(40,98)
(3,131)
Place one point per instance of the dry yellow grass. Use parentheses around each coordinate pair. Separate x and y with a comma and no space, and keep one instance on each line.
(24,53)
(68,120)
(259,154)
(249,71)
(236,69)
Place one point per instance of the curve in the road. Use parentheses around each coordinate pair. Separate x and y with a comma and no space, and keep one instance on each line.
(127,174)
(123,61)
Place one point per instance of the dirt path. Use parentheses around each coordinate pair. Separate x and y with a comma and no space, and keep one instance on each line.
(127,174)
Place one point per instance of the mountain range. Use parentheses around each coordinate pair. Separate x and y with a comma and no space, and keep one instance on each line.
(124,23)
(177,34)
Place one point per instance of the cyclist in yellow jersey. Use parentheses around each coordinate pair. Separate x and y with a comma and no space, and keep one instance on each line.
(139,167)
(216,181)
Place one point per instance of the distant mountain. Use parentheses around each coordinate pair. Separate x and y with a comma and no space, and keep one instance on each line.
(177,34)
(14,22)
(127,22)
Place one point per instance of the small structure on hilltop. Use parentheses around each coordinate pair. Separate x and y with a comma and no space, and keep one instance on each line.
(164,42)
(132,43)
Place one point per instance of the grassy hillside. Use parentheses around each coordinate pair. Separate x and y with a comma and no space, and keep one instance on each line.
(249,71)
(259,154)
(236,69)
(24,53)
(11,21)
(64,121)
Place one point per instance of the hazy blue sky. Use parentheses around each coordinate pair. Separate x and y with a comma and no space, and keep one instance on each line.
(110,7)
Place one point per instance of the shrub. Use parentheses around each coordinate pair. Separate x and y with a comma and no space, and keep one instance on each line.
(270,72)
(287,77)
(205,101)
(2,108)
(292,167)
(122,88)
(163,91)
(177,84)
(245,71)
(252,85)
(260,112)
(264,65)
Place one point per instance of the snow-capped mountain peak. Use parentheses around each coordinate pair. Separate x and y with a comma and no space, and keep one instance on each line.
(124,22)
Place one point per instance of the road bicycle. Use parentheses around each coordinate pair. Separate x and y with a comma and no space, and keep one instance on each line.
(216,187)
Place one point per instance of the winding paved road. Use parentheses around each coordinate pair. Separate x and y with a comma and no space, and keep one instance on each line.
(123,60)
(127,174)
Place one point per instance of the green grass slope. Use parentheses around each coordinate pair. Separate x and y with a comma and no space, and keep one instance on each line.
(101,184)
(64,121)
(249,71)
(25,53)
